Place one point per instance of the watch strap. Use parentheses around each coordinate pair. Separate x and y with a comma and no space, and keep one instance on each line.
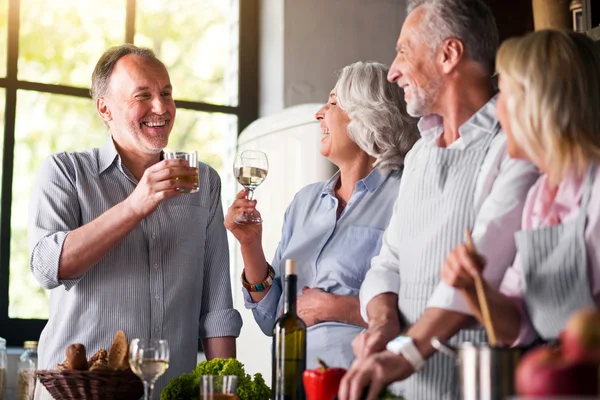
(405,346)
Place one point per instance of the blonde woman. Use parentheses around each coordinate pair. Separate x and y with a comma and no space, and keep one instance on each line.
(549,107)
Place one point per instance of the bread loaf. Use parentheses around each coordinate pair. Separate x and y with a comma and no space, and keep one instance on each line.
(76,357)
(101,354)
(118,357)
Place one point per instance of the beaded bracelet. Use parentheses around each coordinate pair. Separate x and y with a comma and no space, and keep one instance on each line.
(262,286)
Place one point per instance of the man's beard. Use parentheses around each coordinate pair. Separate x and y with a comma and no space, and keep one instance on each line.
(422,98)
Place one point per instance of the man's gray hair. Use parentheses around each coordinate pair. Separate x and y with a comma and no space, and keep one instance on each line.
(107,62)
(379,124)
(470,21)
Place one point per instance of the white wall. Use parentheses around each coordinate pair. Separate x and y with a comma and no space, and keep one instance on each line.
(304,42)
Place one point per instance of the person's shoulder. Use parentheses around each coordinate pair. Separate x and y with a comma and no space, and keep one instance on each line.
(76,157)
(205,169)
(70,161)
(208,174)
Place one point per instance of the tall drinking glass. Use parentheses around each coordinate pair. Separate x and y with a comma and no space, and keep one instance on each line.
(149,359)
(192,159)
(250,170)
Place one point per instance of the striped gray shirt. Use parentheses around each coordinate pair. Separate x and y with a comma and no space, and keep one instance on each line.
(168,278)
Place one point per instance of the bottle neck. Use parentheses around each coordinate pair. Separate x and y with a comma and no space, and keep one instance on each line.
(289,306)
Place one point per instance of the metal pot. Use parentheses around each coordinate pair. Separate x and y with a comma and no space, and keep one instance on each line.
(484,372)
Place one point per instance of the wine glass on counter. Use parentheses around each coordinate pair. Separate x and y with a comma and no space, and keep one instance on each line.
(148,359)
(250,170)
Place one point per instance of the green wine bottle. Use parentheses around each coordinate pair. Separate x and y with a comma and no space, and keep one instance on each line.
(289,344)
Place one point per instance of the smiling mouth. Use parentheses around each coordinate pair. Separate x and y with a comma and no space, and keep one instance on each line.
(324,133)
(155,124)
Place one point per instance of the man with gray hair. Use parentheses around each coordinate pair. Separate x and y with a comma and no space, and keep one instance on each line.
(117,243)
(457,176)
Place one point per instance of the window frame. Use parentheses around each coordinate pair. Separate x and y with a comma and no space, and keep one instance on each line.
(16,330)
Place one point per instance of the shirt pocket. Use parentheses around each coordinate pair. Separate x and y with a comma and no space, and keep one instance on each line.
(358,245)
(189,222)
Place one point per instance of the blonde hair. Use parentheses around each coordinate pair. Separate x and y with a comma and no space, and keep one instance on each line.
(554,99)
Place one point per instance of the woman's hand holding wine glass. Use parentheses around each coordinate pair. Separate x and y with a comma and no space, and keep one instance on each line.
(250,170)
(246,234)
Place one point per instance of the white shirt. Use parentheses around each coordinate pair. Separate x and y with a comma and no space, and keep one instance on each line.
(500,192)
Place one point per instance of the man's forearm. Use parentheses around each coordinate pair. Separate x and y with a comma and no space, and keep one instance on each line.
(437,322)
(345,309)
(384,309)
(85,246)
(219,347)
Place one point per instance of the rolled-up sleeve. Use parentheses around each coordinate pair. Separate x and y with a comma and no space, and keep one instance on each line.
(265,311)
(493,232)
(218,318)
(54,212)
(384,275)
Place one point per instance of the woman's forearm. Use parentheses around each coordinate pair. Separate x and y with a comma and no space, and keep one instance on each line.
(345,309)
(255,268)
(505,315)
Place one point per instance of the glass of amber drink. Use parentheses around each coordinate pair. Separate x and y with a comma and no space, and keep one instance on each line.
(192,159)
(213,387)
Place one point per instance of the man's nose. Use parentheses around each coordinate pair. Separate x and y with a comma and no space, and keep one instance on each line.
(393,74)
(159,105)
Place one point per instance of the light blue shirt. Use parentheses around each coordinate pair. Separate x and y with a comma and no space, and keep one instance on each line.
(331,254)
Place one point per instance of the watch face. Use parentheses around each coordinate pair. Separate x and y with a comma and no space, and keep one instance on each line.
(398,344)
(402,340)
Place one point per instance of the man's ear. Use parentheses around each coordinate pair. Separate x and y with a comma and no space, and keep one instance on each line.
(103,109)
(452,51)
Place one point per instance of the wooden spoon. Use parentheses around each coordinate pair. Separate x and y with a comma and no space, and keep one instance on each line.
(485,311)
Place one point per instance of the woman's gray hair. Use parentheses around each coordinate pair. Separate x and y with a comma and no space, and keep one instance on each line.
(379,123)
(107,62)
(470,21)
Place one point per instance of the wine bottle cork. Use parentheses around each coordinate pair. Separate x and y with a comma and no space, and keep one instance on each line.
(290,267)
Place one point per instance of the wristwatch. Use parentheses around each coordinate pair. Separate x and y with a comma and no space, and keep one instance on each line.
(405,346)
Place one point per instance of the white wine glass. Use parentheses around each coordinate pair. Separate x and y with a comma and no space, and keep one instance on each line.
(148,359)
(250,170)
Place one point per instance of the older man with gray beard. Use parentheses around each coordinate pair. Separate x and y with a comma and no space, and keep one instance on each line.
(457,176)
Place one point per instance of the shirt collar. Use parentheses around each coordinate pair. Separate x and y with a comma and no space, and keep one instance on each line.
(371,182)
(374,179)
(483,120)
(107,155)
(432,126)
(567,197)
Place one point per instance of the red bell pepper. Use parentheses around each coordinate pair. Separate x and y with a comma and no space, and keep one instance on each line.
(323,382)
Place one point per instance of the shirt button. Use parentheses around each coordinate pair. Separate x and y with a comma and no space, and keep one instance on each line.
(156,329)
(155,266)
(157,297)
(153,236)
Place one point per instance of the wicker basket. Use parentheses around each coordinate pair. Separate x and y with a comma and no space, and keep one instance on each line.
(92,385)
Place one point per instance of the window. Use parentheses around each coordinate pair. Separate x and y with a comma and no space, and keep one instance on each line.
(48,49)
